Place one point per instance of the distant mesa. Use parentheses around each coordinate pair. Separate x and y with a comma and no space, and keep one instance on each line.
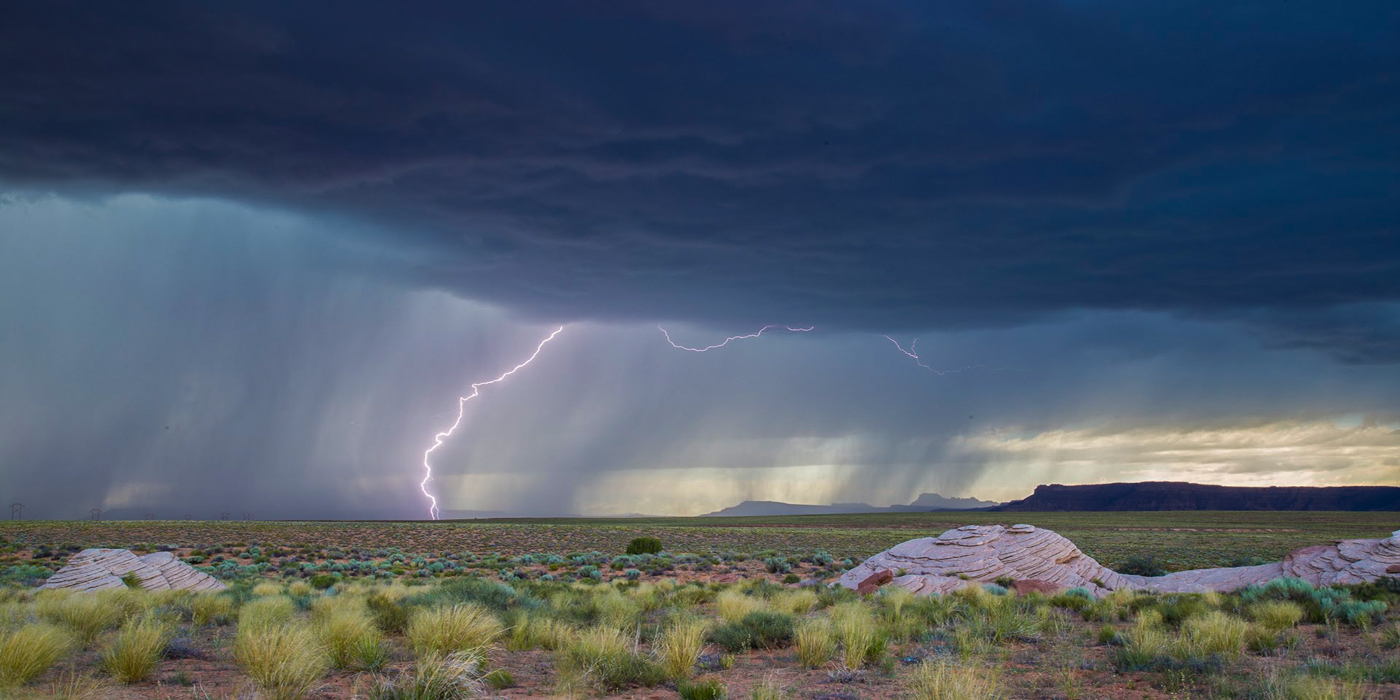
(100,569)
(924,503)
(1044,561)
(1179,495)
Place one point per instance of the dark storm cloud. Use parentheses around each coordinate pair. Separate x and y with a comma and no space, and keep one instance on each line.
(861,165)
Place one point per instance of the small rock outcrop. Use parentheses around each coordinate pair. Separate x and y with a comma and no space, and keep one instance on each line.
(976,554)
(98,569)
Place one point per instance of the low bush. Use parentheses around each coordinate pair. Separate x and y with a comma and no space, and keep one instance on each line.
(644,545)
(84,616)
(763,629)
(702,690)
(351,639)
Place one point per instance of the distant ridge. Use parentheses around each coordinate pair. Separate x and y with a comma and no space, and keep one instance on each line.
(924,503)
(1180,495)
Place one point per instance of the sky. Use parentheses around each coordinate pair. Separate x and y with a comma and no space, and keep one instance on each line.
(252,254)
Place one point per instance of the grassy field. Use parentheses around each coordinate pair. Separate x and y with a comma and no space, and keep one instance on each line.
(1177,540)
(735,607)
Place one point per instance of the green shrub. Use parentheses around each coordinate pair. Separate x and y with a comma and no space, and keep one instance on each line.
(644,545)
(702,690)
(323,581)
(1141,565)
(762,629)
(1276,615)
(499,679)
(388,615)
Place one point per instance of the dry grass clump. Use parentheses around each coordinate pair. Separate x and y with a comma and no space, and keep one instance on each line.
(815,642)
(285,661)
(85,616)
(212,609)
(768,690)
(940,680)
(434,677)
(28,651)
(733,605)
(452,628)
(680,646)
(136,650)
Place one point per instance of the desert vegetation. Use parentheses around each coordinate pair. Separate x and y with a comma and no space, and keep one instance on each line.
(301,621)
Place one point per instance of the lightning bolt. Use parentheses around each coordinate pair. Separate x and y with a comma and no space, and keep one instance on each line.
(461,409)
(731,338)
(913,353)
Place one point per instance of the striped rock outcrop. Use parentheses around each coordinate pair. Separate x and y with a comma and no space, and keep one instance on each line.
(98,569)
(975,554)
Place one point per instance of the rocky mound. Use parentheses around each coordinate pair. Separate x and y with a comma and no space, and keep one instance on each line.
(97,569)
(976,554)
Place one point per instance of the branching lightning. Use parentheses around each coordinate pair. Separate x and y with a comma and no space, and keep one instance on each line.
(461,409)
(913,353)
(707,348)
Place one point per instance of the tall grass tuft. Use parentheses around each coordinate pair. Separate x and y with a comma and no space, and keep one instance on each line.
(816,643)
(284,660)
(680,647)
(941,680)
(85,616)
(537,632)
(603,656)
(1143,643)
(435,677)
(271,611)
(27,652)
(733,605)
(452,628)
(1214,634)
(768,690)
(1276,615)
(855,628)
(798,602)
(351,639)
(136,650)
(212,609)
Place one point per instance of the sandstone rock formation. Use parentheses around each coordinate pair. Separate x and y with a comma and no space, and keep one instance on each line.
(976,554)
(97,569)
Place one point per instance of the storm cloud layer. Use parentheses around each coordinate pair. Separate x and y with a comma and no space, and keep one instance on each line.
(276,241)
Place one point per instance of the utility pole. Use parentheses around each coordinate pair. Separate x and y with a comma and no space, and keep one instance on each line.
(16,511)
(223,516)
(95,514)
